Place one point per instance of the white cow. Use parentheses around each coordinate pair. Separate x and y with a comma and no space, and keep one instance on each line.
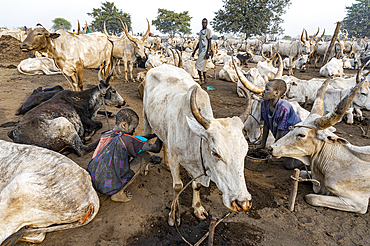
(38,65)
(179,112)
(41,191)
(333,67)
(228,73)
(342,169)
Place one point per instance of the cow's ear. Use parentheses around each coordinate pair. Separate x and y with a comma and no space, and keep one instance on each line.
(329,137)
(196,127)
(54,35)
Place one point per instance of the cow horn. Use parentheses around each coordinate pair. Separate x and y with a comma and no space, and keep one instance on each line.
(146,35)
(345,37)
(275,52)
(105,30)
(110,74)
(307,39)
(334,116)
(123,34)
(174,57)
(361,72)
(321,36)
(350,53)
(302,36)
(78,27)
(196,113)
(245,114)
(253,88)
(318,104)
(263,56)
(100,77)
(279,73)
(128,35)
(180,58)
(318,30)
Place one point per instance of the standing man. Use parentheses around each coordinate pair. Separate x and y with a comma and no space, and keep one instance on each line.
(204,46)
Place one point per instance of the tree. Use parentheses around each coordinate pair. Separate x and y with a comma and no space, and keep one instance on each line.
(357,20)
(108,12)
(249,17)
(170,22)
(61,23)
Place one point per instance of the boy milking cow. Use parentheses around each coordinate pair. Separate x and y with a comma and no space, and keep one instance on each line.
(110,168)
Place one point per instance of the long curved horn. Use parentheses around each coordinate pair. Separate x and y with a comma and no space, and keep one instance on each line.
(302,36)
(105,30)
(321,36)
(85,29)
(123,36)
(106,82)
(279,73)
(350,53)
(263,56)
(180,58)
(100,77)
(318,30)
(275,52)
(196,113)
(334,116)
(318,104)
(146,35)
(360,72)
(345,37)
(174,57)
(78,27)
(306,34)
(128,35)
(253,88)
(248,107)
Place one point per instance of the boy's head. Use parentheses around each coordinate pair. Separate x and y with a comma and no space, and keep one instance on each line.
(127,120)
(274,89)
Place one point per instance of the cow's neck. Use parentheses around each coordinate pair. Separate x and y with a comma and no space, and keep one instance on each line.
(53,53)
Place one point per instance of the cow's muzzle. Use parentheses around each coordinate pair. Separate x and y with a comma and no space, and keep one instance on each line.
(23,47)
(241,206)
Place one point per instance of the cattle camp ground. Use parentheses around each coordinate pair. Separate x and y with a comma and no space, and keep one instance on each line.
(143,220)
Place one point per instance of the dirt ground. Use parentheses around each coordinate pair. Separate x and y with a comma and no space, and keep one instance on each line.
(143,221)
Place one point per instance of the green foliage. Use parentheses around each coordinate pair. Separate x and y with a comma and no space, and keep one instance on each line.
(249,17)
(357,21)
(170,22)
(108,12)
(61,23)
(287,37)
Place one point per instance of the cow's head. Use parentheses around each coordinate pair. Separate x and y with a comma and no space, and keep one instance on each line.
(110,95)
(223,149)
(307,137)
(138,43)
(38,39)
(308,44)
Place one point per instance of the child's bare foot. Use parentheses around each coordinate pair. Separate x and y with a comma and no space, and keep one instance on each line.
(121,196)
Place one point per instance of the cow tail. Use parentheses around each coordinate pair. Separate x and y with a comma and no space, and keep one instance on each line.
(14,238)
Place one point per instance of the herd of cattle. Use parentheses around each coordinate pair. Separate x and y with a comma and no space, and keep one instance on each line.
(41,190)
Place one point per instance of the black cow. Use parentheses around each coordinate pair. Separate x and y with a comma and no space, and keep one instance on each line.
(243,57)
(63,120)
(38,96)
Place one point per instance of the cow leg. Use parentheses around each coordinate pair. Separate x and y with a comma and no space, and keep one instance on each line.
(358,114)
(177,186)
(165,157)
(125,70)
(291,66)
(199,210)
(34,238)
(77,145)
(74,83)
(350,204)
(79,73)
(131,67)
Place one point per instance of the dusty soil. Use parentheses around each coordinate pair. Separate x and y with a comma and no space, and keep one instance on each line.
(143,221)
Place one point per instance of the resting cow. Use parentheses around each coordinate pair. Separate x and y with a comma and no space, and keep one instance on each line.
(63,120)
(180,114)
(41,191)
(38,65)
(342,169)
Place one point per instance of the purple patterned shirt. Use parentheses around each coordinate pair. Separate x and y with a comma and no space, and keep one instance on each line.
(283,116)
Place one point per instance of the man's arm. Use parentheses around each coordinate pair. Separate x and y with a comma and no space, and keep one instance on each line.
(197,47)
(279,134)
(208,47)
(155,148)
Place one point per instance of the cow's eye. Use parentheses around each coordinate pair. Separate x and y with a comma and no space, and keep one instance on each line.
(301,135)
(216,155)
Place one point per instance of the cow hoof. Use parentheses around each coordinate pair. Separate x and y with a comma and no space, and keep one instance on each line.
(201,213)
(171,221)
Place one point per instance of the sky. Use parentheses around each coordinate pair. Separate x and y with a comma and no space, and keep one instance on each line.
(301,14)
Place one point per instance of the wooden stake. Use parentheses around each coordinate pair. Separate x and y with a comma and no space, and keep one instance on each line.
(293,193)
(334,38)
(212,226)
(214,71)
